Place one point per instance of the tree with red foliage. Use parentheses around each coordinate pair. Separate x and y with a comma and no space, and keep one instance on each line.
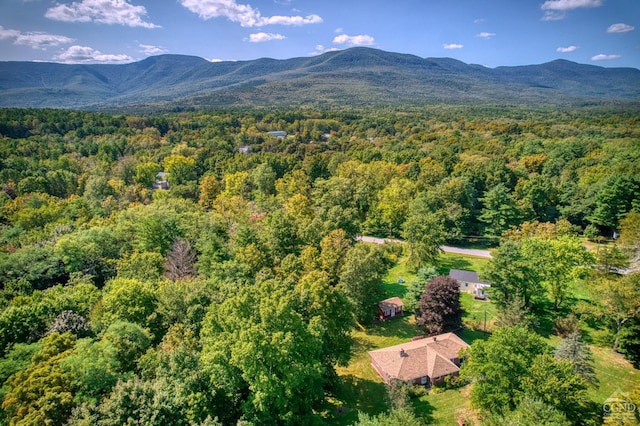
(439,309)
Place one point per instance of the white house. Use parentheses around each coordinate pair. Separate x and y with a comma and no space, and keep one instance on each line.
(470,283)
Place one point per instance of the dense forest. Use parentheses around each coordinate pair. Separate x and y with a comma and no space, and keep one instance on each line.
(230,297)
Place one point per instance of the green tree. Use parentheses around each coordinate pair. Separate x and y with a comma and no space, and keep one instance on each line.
(392,207)
(424,233)
(263,356)
(333,249)
(181,169)
(617,300)
(42,393)
(565,260)
(573,349)
(327,308)
(264,178)
(129,342)
(529,412)
(92,252)
(512,275)
(498,367)
(554,382)
(128,300)
(398,416)
(615,198)
(361,279)
(145,266)
(146,173)
(499,211)
(415,288)
(93,369)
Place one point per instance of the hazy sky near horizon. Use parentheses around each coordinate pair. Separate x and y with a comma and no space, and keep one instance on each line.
(485,32)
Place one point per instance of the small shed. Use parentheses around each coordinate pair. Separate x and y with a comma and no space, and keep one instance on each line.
(390,308)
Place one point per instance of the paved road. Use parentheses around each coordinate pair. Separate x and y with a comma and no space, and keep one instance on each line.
(448,249)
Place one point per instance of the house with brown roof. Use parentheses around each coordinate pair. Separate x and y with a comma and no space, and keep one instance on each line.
(425,361)
(390,308)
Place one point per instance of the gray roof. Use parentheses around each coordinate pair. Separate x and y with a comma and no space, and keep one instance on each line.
(466,276)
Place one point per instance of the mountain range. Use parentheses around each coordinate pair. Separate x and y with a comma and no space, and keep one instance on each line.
(353,77)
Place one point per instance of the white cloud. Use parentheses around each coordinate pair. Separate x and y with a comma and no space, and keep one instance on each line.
(603,57)
(486,35)
(150,50)
(322,49)
(36,40)
(620,28)
(479,21)
(567,49)
(222,60)
(356,40)
(85,55)
(452,46)
(565,5)
(244,14)
(339,30)
(556,9)
(262,37)
(101,11)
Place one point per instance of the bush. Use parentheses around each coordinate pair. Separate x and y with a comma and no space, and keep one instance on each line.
(567,325)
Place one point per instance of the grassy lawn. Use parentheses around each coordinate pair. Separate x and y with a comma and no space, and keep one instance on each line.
(360,388)
(448,261)
(613,372)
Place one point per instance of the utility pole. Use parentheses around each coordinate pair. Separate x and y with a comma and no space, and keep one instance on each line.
(485,322)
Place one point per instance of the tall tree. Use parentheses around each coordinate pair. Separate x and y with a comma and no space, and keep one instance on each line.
(439,309)
(573,349)
(618,301)
(424,233)
(561,262)
(555,382)
(415,288)
(261,354)
(498,366)
(42,393)
(512,275)
(499,212)
(529,412)
(361,279)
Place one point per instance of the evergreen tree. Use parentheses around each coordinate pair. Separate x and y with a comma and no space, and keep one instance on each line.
(573,349)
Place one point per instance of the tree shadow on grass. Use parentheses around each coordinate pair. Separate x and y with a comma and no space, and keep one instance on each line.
(354,394)
(393,289)
(395,327)
(470,336)
(446,264)
(423,409)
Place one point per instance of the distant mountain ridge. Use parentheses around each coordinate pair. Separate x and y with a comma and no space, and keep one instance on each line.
(356,76)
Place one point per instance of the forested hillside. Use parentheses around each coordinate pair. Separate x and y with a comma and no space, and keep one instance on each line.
(357,76)
(231,296)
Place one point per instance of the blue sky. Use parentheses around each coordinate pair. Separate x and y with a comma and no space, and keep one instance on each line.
(485,32)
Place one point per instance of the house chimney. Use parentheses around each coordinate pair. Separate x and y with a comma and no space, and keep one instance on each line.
(402,353)
(435,338)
